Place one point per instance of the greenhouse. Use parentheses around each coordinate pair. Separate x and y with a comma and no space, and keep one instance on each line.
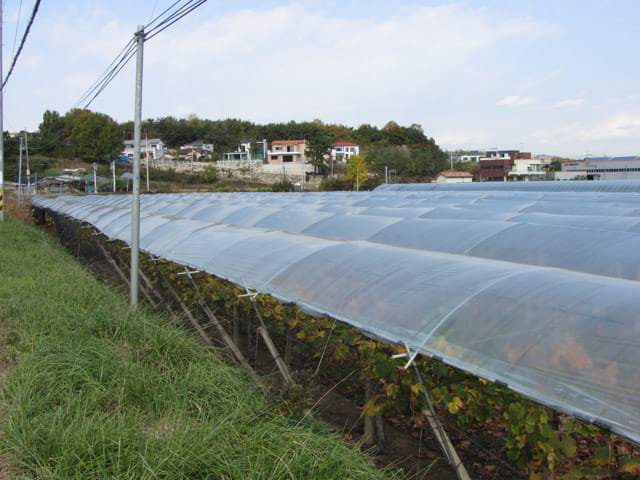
(530,285)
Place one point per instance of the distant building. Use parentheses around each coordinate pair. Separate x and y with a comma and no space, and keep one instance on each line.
(203,148)
(497,164)
(451,176)
(605,168)
(288,151)
(342,151)
(473,156)
(189,154)
(241,154)
(528,169)
(152,148)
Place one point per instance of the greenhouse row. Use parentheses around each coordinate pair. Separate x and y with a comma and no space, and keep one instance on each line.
(535,289)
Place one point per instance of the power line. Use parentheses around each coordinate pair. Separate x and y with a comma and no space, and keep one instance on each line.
(164,20)
(15,35)
(189,7)
(24,38)
(109,74)
(148,25)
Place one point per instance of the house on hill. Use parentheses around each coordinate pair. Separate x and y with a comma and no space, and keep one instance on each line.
(242,152)
(341,151)
(288,151)
(152,148)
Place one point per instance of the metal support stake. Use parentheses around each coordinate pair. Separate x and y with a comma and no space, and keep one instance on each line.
(223,333)
(184,308)
(264,333)
(441,435)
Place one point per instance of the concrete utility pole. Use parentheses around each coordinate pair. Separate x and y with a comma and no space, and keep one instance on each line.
(135,197)
(95,181)
(1,128)
(26,151)
(146,136)
(20,172)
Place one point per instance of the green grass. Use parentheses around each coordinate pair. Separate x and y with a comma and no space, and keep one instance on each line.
(99,392)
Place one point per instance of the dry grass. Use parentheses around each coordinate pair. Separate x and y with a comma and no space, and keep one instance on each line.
(18,208)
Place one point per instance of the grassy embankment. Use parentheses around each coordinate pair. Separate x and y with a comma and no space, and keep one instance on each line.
(93,391)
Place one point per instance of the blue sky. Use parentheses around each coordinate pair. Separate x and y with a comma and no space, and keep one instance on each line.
(557,77)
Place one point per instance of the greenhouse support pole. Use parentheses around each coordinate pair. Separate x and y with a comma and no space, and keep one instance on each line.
(20,172)
(113,175)
(135,197)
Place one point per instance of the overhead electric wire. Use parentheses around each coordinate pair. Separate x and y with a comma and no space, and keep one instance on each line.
(112,74)
(163,21)
(15,35)
(161,14)
(173,18)
(109,74)
(24,39)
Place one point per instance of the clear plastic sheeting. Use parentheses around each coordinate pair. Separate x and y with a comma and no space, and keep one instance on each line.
(534,286)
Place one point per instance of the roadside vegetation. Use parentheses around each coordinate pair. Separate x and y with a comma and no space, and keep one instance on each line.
(91,390)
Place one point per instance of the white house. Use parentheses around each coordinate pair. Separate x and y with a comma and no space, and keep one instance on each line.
(526,169)
(341,151)
(153,148)
(242,153)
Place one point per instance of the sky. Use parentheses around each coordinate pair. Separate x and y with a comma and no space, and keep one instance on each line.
(556,77)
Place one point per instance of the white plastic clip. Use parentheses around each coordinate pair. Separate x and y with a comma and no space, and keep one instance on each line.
(407,354)
(188,272)
(249,294)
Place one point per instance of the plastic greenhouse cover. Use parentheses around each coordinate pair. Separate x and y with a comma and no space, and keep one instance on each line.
(536,288)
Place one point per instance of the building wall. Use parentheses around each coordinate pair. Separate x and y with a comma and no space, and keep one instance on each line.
(344,152)
(443,179)
(284,153)
(627,168)
(495,170)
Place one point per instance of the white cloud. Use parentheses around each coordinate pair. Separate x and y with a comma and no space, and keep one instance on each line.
(618,126)
(461,139)
(294,62)
(568,102)
(515,101)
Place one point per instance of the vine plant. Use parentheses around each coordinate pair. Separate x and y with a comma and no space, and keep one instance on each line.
(535,439)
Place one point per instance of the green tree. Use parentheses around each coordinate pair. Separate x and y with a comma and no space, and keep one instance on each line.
(318,148)
(397,160)
(52,128)
(95,137)
(556,164)
(210,173)
(357,170)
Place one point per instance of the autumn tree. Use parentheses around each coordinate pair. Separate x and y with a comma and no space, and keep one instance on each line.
(357,170)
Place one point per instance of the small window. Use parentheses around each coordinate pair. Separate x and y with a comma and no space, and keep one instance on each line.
(287,158)
(274,157)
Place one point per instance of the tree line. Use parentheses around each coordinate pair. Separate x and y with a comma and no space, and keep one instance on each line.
(96,137)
